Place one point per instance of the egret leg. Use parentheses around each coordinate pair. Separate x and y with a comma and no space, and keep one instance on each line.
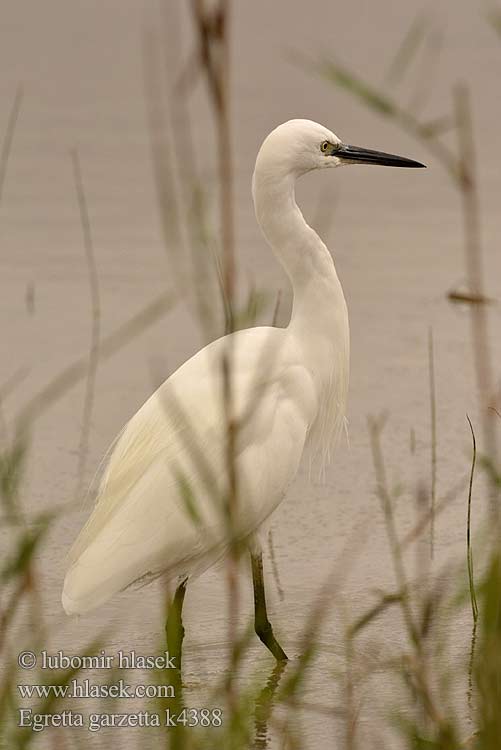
(174,626)
(261,623)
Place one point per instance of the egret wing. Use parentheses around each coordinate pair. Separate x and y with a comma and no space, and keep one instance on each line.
(162,505)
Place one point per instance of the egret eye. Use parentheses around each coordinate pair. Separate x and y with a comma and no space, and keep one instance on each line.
(325,145)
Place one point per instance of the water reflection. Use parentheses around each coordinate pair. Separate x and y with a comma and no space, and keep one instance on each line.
(264,706)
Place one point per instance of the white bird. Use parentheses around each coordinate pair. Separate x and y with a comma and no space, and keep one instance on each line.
(161,503)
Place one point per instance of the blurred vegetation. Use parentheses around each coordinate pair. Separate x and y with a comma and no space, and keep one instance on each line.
(427,716)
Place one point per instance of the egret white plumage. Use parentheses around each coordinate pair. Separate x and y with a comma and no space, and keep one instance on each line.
(291,384)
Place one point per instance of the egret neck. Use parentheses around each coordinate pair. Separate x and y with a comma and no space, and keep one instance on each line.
(319,320)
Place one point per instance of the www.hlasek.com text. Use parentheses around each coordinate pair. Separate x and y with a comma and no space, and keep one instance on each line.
(88,689)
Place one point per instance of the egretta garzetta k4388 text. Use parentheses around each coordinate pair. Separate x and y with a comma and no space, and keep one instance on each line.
(291,383)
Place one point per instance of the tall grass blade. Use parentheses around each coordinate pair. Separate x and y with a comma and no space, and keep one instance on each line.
(9,136)
(407,50)
(433,418)
(469,552)
(95,322)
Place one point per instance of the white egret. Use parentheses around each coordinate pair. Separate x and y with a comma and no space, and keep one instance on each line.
(157,510)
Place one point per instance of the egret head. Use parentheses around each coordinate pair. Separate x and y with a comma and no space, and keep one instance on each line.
(299,146)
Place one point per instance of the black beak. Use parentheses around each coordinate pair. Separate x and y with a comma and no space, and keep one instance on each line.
(357,155)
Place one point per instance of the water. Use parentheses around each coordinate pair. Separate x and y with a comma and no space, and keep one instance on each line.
(396,239)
